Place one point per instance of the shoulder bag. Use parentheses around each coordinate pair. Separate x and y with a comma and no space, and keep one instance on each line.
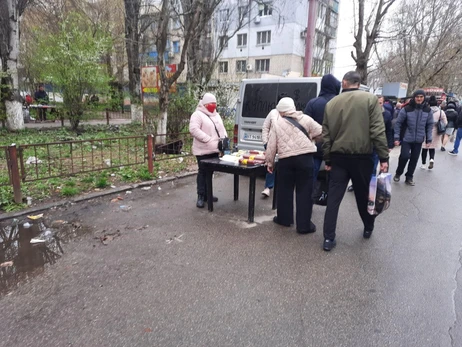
(441,128)
(297,125)
(223,142)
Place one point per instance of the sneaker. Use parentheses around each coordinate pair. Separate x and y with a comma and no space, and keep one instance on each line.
(410,182)
(350,188)
(452,152)
(367,234)
(442,149)
(396,178)
(423,167)
(329,245)
(266,192)
(432,163)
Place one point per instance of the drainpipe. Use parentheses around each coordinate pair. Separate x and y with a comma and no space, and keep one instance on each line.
(310,30)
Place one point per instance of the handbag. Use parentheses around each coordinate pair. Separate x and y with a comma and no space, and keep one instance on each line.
(223,142)
(441,127)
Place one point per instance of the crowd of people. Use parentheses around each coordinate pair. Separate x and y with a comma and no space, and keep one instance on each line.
(352,132)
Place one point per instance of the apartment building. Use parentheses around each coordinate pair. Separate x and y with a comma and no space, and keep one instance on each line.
(268,38)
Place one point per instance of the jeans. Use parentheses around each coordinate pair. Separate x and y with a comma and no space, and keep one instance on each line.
(317,161)
(269,180)
(201,185)
(457,141)
(410,151)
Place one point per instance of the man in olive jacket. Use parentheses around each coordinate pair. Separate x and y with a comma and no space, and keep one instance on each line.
(352,126)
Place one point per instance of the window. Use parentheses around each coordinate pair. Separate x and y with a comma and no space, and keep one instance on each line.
(223,41)
(263,37)
(241,66)
(223,67)
(319,40)
(265,10)
(176,46)
(241,40)
(224,15)
(262,65)
(243,12)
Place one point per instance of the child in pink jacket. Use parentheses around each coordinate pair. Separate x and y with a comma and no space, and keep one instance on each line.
(207,128)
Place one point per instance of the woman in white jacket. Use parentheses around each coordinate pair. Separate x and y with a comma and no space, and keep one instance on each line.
(206,127)
(295,164)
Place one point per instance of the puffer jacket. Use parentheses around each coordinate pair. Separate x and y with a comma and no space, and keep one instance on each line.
(418,124)
(330,87)
(201,127)
(267,125)
(288,141)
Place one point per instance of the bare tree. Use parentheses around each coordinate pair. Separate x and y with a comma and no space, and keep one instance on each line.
(367,32)
(428,41)
(10,17)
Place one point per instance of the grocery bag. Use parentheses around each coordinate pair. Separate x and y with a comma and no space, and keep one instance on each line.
(379,193)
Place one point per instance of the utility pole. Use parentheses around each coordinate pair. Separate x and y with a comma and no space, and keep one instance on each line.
(310,30)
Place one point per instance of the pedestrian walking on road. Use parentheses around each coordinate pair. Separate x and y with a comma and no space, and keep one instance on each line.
(291,137)
(451,115)
(206,127)
(458,126)
(429,148)
(416,121)
(353,125)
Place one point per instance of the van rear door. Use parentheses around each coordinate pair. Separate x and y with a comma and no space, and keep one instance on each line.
(259,97)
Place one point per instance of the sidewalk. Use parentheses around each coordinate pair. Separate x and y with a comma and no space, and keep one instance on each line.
(57,123)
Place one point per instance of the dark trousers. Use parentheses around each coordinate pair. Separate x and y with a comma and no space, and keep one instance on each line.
(344,168)
(201,185)
(409,152)
(42,114)
(295,173)
(424,154)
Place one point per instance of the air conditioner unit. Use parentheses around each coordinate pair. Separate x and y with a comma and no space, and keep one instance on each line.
(249,67)
(171,54)
(257,19)
(303,34)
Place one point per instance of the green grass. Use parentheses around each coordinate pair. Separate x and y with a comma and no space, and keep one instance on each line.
(101,182)
(69,191)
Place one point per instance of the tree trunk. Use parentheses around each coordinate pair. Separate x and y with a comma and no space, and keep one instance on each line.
(132,36)
(361,67)
(13,105)
(163,107)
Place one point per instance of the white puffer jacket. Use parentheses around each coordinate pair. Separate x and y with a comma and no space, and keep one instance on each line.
(288,141)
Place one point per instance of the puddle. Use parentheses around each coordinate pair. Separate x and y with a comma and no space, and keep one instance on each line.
(21,259)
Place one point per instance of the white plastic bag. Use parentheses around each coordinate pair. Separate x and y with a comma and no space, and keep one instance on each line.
(379,193)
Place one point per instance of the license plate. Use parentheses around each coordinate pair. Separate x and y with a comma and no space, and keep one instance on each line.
(252,137)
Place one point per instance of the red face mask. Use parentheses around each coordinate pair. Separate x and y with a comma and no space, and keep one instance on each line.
(211,107)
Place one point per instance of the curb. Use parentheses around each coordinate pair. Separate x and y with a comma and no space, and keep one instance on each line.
(92,196)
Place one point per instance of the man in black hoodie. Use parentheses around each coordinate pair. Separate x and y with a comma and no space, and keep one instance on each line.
(330,87)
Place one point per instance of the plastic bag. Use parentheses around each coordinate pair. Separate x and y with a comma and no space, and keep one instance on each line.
(379,193)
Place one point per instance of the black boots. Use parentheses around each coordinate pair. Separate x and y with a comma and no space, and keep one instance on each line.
(200,201)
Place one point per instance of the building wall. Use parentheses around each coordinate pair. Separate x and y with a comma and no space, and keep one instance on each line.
(287,48)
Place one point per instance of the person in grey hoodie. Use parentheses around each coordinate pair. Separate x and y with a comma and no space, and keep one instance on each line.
(417,118)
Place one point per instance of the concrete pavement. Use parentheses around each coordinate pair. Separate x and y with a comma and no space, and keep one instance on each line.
(180,276)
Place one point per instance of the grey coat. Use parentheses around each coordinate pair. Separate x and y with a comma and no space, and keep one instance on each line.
(417,124)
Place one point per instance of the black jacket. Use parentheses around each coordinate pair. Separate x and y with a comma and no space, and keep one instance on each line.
(330,87)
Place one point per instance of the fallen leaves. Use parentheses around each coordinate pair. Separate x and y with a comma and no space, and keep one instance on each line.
(6,264)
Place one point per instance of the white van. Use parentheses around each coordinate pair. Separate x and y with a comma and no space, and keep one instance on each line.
(257,97)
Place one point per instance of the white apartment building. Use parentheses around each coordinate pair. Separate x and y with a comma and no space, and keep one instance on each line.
(272,40)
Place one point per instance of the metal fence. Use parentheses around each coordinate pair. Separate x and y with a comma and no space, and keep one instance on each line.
(34,162)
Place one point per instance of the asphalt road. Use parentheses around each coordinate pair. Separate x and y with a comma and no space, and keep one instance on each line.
(180,276)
